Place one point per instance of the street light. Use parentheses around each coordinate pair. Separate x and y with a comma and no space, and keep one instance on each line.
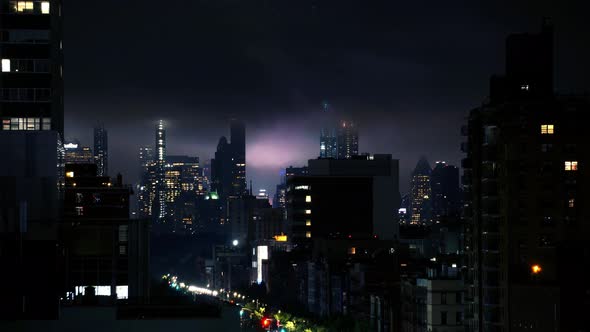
(235,243)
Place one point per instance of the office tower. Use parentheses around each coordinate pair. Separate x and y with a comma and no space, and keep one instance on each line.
(228,168)
(446,194)
(348,140)
(328,143)
(146,188)
(101,150)
(159,203)
(238,147)
(420,193)
(102,251)
(526,208)
(31,84)
(75,153)
(183,179)
(340,198)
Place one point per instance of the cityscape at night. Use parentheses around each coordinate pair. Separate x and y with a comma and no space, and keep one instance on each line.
(294,166)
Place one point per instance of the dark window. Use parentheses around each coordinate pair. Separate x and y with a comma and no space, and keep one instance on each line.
(443,318)
(443,298)
(459,318)
(458,298)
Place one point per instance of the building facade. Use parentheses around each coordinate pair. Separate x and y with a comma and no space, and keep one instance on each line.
(526,180)
(420,194)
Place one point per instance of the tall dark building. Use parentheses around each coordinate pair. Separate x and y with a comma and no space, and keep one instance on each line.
(526,208)
(145,188)
(238,148)
(445,192)
(101,150)
(420,192)
(31,84)
(348,140)
(328,143)
(228,168)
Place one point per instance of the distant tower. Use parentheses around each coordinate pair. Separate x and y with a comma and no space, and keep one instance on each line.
(160,200)
(328,143)
(146,190)
(420,193)
(101,150)
(348,140)
(238,148)
(446,194)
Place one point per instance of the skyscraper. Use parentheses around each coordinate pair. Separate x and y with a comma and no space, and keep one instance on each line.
(101,150)
(228,168)
(446,194)
(420,193)
(526,180)
(146,188)
(348,140)
(159,203)
(238,148)
(328,143)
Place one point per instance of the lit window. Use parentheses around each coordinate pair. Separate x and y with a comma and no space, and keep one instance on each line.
(351,250)
(571,202)
(79,210)
(307,211)
(536,269)
(45,7)
(6,65)
(308,222)
(22,6)
(308,198)
(524,87)
(308,235)
(547,129)
(69,174)
(571,166)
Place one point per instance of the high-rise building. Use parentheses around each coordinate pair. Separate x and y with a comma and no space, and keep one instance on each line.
(146,188)
(238,147)
(75,153)
(420,192)
(328,143)
(446,194)
(228,168)
(159,203)
(348,140)
(31,84)
(526,208)
(182,177)
(101,150)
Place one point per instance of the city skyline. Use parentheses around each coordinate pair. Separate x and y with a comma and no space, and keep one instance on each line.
(427,74)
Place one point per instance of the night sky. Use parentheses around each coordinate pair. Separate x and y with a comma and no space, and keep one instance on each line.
(407,72)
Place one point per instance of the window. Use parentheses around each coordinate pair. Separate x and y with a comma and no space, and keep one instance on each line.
(547,129)
(6,65)
(571,166)
(352,250)
(22,6)
(458,298)
(308,199)
(45,7)
(308,222)
(308,235)
(307,211)
(69,174)
(122,250)
(79,210)
(524,87)
(443,318)
(443,298)
(546,147)
(571,202)
(459,318)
